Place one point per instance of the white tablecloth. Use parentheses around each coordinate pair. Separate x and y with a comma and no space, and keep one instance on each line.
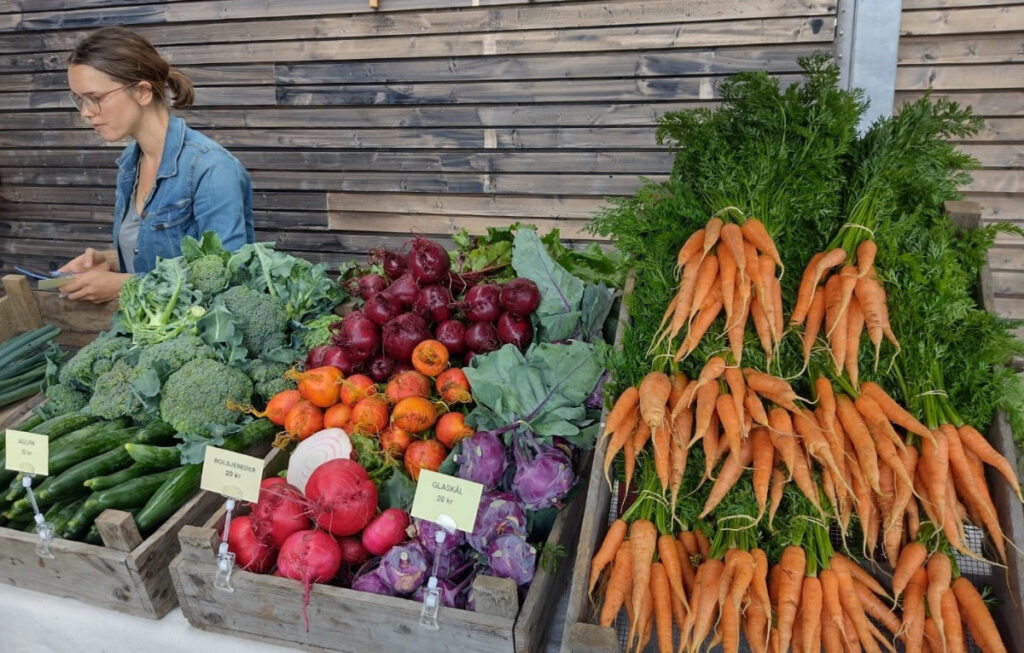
(31,622)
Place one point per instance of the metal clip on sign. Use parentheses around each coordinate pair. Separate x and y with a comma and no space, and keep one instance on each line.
(43,527)
(225,559)
(432,597)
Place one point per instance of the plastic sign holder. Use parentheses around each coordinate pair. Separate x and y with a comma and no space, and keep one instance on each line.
(29,453)
(236,477)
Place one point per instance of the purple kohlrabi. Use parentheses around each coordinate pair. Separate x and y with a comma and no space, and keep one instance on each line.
(371,582)
(404,567)
(426,535)
(499,512)
(544,480)
(510,556)
(453,594)
(483,459)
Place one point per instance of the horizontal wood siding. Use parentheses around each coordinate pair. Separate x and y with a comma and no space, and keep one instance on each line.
(361,126)
(972,51)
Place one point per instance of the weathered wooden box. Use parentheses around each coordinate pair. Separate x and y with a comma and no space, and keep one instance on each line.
(269,609)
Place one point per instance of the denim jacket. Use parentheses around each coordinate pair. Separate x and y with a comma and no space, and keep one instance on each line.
(199,186)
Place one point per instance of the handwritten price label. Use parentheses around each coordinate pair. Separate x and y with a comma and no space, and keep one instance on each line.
(456,498)
(27,452)
(231,474)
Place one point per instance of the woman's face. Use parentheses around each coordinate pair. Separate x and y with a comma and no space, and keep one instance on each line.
(114,109)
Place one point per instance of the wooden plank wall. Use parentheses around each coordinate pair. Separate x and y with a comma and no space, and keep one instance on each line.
(361,125)
(972,51)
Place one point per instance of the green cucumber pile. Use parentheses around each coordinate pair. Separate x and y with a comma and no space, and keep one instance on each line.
(96,464)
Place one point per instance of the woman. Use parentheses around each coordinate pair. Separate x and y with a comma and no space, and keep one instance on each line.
(172,181)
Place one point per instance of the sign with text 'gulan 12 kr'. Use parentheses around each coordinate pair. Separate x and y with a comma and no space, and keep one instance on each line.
(27,452)
(455,498)
(231,474)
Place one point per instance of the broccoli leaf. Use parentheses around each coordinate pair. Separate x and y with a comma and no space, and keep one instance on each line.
(597,304)
(219,330)
(560,293)
(544,390)
(209,243)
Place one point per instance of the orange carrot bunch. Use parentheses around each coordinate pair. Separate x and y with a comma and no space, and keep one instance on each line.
(845,304)
(726,266)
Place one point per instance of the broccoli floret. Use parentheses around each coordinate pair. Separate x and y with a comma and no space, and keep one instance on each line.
(93,360)
(208,275)
(268,377)
(200,393)
(317,332)
(174,353)
(114,395)
(61,399)
(261,318)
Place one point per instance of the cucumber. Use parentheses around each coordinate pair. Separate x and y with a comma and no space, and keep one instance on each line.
(17,394)
(66,457)
(70,483)
(251,434)
(100,483)
(60,520)
(93,536)
(62,425)
(30,422)
(130,494)
(169,497)
(82,435)
(155,433)
(154,457)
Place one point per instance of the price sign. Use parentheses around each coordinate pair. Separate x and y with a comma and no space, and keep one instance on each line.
(456,498)
(27,452)
(232,474)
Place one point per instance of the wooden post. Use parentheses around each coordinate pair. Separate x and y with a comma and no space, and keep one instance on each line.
(589,638)
(198,543)
(118,530)
(496,596)
(965,215)
(18,309)
(373,4)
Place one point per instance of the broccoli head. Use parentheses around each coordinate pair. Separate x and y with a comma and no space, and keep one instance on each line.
(200,393)
(114,396)
(261,318)
(61,399)
(174,353)
(208,275)
(93,360)
(268,377)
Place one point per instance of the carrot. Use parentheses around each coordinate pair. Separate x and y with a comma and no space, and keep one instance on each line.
(679,307)
(761,276)
(698,329)
(940,576)
(977,616)
(976,442)
(623,408)
(641,436)
(754,407)
(847,282)
(736,325)
(969,488)
(668,554)
(712,232)
(645,619)
(827,401)
(833,609)
(729,626)
(791,574)
(893,411)
(693,245)
(908,458)
(875,609)
(755,234)
(712,370)
(932,639)
(678,610)
(831,638)
(857,432)
(686,568)
(707,276)
(654,391)
(623,431)
(727,283)
(713,452)
(775,294)
(934,467)
(755,624)
(732,236)
(913,611)
(912,558)
(953,628)
(913,520)
(854,328)
(703,604)
(629,460)
(763,328)
(663,455)
(806,292)
(732,469)
(835,321)
(725,407)
(831,259)
(606,553)
(763,454)
(759,581)
(866,252)
(681,432)
(851,605)
(731,560)
(816,444)
(619,584)
(772,388)
(857,573)
(872,304)
(661,599)
(815,318)
(707,398)
(643,535)
(737,388)
(703,543)
(783,436)
(809,624)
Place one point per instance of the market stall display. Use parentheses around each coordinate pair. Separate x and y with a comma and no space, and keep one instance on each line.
(756,472)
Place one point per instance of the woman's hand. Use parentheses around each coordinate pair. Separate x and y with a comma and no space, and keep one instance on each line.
(96,285)
(91,259)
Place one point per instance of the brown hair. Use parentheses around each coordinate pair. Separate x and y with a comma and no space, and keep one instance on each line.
(126,56)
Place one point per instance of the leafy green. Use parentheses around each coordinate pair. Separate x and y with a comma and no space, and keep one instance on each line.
(542,391)
(304,288)
(159,305)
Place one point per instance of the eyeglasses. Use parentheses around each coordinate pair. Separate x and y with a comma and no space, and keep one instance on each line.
(92,102)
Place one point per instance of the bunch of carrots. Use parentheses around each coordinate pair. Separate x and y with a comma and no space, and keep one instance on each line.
(731,267)
(845,304)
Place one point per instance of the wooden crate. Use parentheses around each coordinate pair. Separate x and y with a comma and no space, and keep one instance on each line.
(269,609)
(127,574)
(581,634)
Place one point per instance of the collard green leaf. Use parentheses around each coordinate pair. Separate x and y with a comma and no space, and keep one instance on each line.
(560,292)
